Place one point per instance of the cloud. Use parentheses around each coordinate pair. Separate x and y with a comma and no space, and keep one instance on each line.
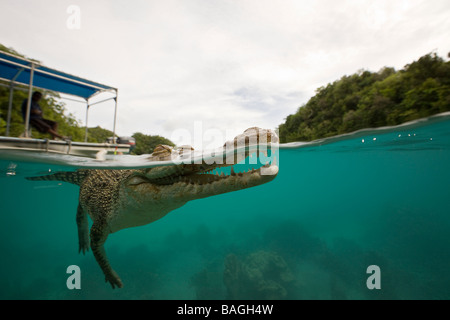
(226,63)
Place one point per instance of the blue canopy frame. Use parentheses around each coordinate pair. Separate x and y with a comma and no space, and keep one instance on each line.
(21,71)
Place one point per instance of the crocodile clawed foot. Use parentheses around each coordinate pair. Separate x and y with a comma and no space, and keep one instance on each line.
(83,246)
(114,280)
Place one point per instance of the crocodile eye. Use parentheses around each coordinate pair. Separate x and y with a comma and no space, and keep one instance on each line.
(136,180)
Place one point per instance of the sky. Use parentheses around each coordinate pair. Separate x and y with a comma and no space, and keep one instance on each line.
(201,71)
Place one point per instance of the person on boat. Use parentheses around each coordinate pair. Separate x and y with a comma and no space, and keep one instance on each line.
(36,117)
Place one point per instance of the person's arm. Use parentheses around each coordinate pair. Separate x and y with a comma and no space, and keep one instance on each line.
(36,111)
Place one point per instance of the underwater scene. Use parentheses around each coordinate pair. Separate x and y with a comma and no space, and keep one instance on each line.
(337,208)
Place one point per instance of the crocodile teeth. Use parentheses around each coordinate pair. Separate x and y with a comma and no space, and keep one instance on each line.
(232,172)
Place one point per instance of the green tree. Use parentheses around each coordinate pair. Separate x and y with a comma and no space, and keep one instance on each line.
(98,134)
(145,144)
(368,99)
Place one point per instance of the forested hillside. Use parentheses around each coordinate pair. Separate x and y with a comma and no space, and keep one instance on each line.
(372,99)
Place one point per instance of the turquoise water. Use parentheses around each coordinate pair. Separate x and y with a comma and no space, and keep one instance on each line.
(373,198)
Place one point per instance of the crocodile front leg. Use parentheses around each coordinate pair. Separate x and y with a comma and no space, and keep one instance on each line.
(83,230)
(98,238)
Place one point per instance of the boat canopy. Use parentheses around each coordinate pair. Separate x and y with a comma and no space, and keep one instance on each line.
(21,71)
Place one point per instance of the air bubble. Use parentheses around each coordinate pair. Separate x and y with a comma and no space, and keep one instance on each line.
(11,170)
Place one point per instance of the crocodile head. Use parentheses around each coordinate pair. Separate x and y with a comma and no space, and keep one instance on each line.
(189,178)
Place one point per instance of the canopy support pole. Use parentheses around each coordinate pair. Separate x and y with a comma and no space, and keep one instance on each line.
(8,121)
(87,118)
(30,91)
(10,102)
(115,118)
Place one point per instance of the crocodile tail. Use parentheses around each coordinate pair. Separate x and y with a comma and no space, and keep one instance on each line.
(75,177)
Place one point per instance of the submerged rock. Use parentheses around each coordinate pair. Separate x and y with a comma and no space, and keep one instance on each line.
(260,275)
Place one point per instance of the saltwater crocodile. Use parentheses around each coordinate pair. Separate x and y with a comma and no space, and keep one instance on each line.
(123,198)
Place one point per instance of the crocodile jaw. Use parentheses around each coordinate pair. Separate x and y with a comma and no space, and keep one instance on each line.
(144,203)
(198,186)
(187,191)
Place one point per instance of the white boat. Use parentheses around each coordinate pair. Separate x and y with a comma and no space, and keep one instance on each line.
(19,72)
(82,149)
